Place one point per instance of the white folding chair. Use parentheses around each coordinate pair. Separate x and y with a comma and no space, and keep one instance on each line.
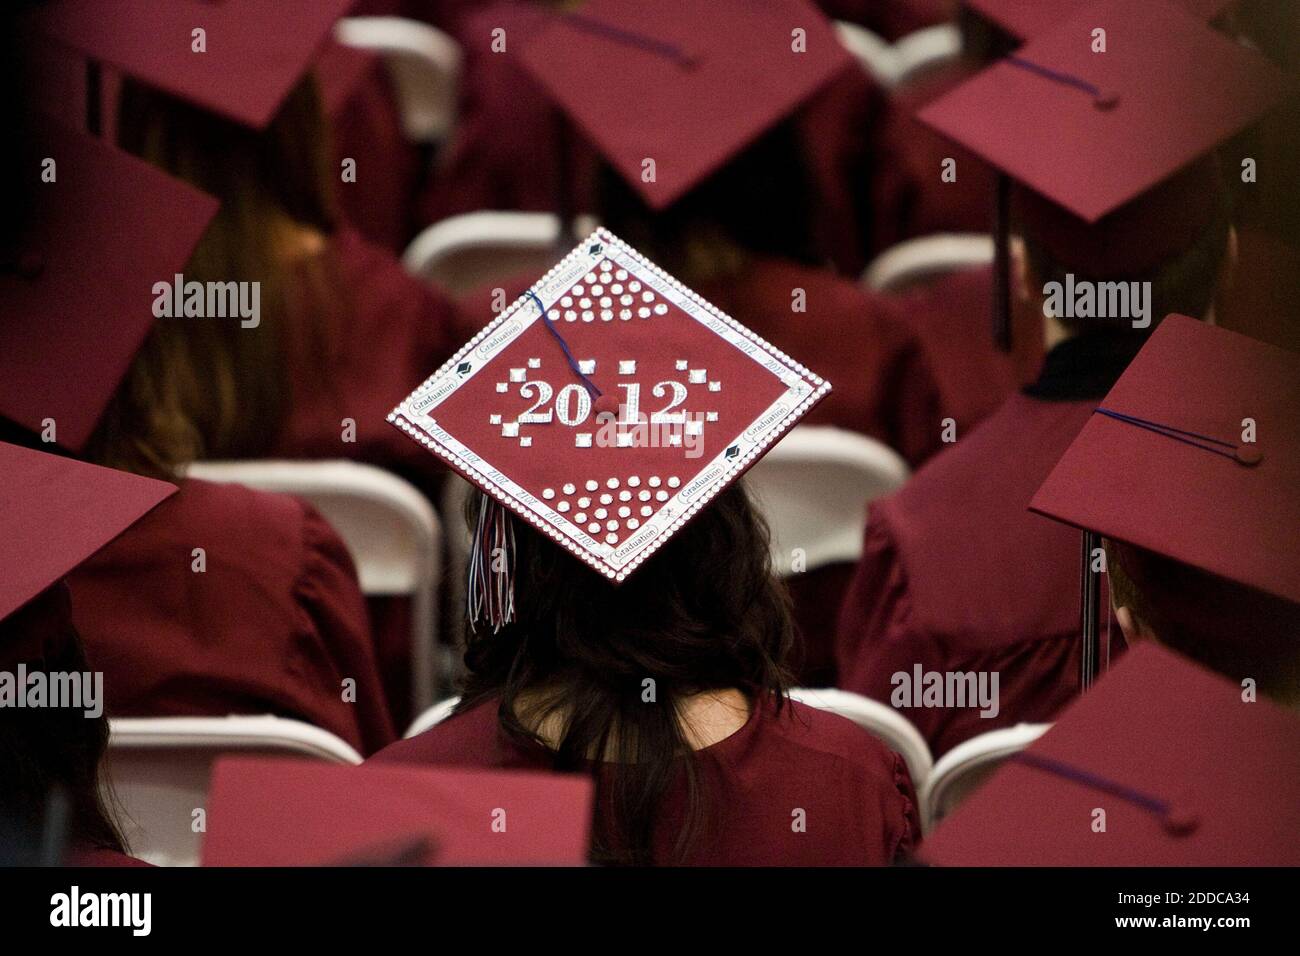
(470,251)
(425,66)
(873,52)
(389,528)
(924,50)
(879,720)
(431,717)
(159,770)
(813,488)
(962,770)
(919,260)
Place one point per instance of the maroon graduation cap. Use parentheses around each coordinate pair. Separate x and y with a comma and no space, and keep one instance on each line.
(278,812)
(1104,147)
(55,512)
(685,83)
(1194,455)
(1186,772)
(1025,19)
(78,302)
(608,405)
(254,51)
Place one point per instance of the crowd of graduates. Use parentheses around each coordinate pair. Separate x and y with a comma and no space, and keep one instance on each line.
(742,149)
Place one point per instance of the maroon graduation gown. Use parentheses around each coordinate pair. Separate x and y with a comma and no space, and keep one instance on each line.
(274,624)
(856,795)
(958,575)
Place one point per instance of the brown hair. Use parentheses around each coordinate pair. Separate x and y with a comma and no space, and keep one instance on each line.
(209,387)
(704,613)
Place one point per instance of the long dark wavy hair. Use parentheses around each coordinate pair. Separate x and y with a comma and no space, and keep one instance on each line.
(704,613)
(42,748)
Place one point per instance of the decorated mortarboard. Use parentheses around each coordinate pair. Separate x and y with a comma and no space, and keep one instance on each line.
(248,57)
(682,84)
(55,512)
(78,295)
(277,812)
(607,406)
(1025,19)
(1194,455)
(1094,140)
(1163,763)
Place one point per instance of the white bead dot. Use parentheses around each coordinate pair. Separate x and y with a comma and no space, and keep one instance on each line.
(548,493)
(674,482)
(624,511)
(643,312)
(577,290)
(566,301)
(634,286)
(598,290)
(592,484)
(594,527)
(620,275)
(570,316)
(588,316)
(634,481)
(584,304)
(562,507)
(606,315)
(579,518)
(661,309)
(584,502)
(625,300)
(647,296)
(568,488)
(616,288)
(611,525)
(601,513)
(655,482)
(633,524)
(643,495)
(612,483)
(625,495)
(553,314)
(647,511)
(611,538)
(625,314)
(661,496)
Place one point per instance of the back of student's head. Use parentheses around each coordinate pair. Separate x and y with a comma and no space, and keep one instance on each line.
(760,203)
(44,748)
(614,662)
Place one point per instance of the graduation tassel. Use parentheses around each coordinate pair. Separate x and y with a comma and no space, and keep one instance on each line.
(490,595)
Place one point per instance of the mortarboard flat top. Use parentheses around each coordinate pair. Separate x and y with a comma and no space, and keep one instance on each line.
(104,232)
(1025,19)
(1191,500)
(510,414)
(1167,90)
(1230,799)
(685,83)
(256,52)
(278,812)
(55,512)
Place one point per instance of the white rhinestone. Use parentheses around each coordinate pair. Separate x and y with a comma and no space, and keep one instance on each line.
(625,300)
(587,366)
(634,481)
(534,363)
(655,482)
(588,316)
(577,290)
(592,484)
(633,524)
(697,376)
(591,277)
(584,501)
(647,296)
(594,528)
(647,511)
(643,312)
(562,507)
(579,518)
(606,315)
(627,367)
(661,309)
(518,374)
(681,365)
(503,386)
(526,442)
(612,483)
(600,513)
(643,495)
(582,439)
(674,482)
(570,316)
(566,301)
(624,511)
(510,430)
(606,499)
(494,419)
(715,386)
(598,290)
(612,538)
(611,525)
(634,285)
(553,314)
(568,488)
(620,275)
(625,440)
(548,493)
(661,496)
(625,314)
(710,416)
(694,428)
(584,304)
(625,495)
(616,288)
(606,302)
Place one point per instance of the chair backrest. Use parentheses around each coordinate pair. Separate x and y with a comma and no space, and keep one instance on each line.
(389,528)
(159,770)
(873,52)
(813,488)
(425,66)
(879,720)
(920,260)
(962,770)
(431,717)
(925,50)
(471,251)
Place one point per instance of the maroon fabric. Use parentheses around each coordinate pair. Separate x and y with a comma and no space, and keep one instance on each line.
(857,797)
(391,331)
(908,196)
(957,575)
(1263,298)
(891,19)
(366,125)
(882,383)
(101,856)
(273,625)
